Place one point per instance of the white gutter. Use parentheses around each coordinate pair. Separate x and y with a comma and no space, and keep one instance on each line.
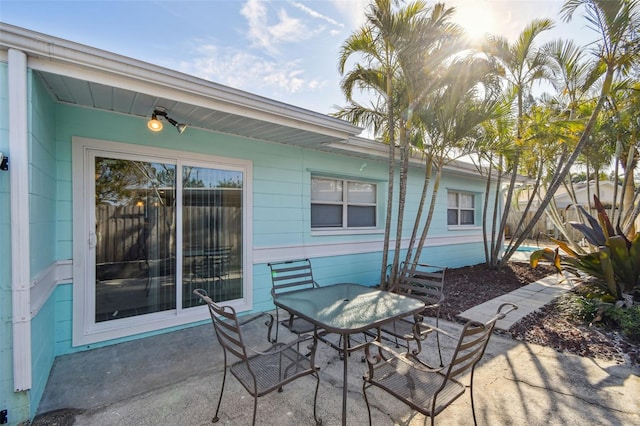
(369,148)
(20,263)
(56,55)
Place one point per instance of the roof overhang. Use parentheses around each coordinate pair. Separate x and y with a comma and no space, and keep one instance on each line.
(84,76)
(374,150)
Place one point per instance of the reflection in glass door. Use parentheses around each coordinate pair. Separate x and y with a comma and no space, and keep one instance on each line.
(211,233)
(135,228)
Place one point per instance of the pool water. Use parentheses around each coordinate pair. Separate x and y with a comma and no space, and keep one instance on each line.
(525,249)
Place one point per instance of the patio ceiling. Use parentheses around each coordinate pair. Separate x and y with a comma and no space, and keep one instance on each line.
(74,91)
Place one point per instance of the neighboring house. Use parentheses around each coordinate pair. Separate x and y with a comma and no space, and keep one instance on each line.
(565,205)
(106,226)
(584,197)
(563,199)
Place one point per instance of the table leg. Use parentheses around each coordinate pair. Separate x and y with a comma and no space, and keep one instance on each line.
(345,355)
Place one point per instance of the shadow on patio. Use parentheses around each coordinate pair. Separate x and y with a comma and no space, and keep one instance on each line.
(174,378)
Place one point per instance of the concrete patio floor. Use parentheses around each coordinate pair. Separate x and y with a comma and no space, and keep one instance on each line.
(175,378)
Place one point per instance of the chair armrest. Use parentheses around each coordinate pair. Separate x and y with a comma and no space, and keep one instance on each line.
(501,314)
(247,320)
(280,347)
(407,358)
(269,322)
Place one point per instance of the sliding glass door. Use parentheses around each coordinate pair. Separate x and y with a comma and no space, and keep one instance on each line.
(211,233)
(139,209)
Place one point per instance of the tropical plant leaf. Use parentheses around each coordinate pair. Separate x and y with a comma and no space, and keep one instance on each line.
(565,247)
(634,258)
(595,226)
(546,254)
(626,268)
(594,236)
(603,217)
(608,272)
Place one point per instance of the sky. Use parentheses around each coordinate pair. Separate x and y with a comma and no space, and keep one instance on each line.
(285,50)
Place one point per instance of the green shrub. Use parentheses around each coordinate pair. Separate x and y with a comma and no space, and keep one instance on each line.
(578,307)
(627,320)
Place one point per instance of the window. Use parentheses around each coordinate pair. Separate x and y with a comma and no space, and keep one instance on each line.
(460,208)
(152,225)
(337,203)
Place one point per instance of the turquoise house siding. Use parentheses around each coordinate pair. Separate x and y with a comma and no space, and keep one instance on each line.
(281,199)
(43,226)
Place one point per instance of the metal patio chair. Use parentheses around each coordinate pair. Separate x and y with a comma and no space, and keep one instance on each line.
(259,372)
(423,388)
(424,282)
(288,276)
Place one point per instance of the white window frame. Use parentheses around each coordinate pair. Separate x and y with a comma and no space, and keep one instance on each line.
(345,206)
(460,209)
(85,329)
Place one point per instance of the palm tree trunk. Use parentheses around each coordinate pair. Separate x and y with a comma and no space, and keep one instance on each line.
(512,247)
(427,225)
(423,198)
(485,208)
(402,196)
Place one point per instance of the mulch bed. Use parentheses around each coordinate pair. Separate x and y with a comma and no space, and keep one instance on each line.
(472,285)
(469,286)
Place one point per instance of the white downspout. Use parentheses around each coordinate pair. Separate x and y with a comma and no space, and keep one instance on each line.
(20,262)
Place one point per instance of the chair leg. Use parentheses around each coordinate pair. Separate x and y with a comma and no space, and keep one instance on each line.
(473,408)
(438,341)
(366,400)
(224,379)
(315,399)
(255,409)
(277,324)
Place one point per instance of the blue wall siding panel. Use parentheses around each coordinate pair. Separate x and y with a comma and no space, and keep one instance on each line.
(42,199)
(63,317)
(42,351)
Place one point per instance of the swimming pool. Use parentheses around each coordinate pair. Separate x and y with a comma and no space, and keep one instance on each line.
(524,249)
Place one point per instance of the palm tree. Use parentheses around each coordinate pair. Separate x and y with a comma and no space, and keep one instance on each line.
(555,124)
(394,44)
(468,96)
(616,52)
(378,72)
(524,65)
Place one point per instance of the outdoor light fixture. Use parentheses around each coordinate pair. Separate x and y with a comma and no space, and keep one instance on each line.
(155,125)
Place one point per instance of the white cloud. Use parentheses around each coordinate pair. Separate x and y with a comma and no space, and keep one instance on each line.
(266,35)
(316,14)
(249,72)
(288,29)
(352,10)
(256,14)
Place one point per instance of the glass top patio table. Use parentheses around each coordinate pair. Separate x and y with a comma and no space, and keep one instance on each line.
(347,309)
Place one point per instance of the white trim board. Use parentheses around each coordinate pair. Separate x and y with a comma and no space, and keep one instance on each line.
(274,254)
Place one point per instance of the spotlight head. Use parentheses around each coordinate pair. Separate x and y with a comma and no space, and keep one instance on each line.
(181,127)
(154,124)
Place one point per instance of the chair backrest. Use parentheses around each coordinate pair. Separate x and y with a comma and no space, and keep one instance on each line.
(424,282)
(226,325)
(473,342)
(291,275)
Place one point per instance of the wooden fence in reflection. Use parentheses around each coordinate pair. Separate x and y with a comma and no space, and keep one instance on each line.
(132,233)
